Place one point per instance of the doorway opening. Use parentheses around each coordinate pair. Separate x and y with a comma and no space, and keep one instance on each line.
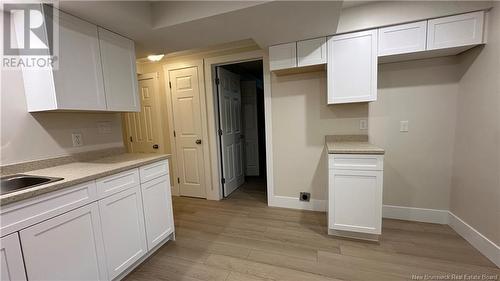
(240,123)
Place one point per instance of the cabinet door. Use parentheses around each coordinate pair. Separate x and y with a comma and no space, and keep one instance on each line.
(283,56)
(403,38)
(120,78)
(158,212)
(123,231)
(355,201)
(311,52)
(352,67)
(455,31)
(66,247)
(78,81)
(11,259)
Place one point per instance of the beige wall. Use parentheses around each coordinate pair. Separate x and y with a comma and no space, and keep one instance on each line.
(475,192)
(301,119)
(26,137)
(418,163)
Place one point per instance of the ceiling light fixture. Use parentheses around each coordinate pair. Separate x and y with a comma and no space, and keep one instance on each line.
(155,57)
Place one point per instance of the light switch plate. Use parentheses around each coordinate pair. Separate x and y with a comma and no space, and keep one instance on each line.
(403,126)
(77,139)
(363,124)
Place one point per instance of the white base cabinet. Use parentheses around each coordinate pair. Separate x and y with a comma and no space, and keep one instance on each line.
(11,259)
(157,210)
(89,231)
(123,229)
(67,247)
(355,185)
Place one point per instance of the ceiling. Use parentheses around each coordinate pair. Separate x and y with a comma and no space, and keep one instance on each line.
(170,26)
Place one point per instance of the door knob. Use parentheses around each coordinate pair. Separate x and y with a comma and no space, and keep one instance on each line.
(198,141)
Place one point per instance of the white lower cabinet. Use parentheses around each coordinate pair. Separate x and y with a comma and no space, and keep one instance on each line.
(157,210)
(355,194)
(66,247)
(79,233)
(11,259)
(123,231)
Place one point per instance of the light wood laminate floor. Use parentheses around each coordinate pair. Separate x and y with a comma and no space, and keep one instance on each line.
(243,239)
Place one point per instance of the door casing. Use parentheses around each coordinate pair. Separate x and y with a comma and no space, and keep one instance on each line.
(216,192)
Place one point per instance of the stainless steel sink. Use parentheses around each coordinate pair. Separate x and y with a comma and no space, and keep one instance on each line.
(13,183)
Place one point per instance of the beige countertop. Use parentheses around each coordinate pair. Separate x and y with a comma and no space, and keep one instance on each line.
(351,144)
(82,171)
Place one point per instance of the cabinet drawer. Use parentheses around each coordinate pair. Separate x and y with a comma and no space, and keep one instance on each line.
(116,183)
(356,162)
(153,171)
(34,210)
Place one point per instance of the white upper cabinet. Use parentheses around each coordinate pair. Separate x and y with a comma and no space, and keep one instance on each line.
(120,78)
(455,31)
(311,52)
(11,259)
(283,56)
(77,83)
(352,67)
(94,71)
(402,39)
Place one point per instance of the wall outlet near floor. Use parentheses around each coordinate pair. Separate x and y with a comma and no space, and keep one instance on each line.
(77,139)
(403,126)
(305,196)
(363,124)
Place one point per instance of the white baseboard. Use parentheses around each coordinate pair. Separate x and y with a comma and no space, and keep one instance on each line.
(295,203)
(479,241)
(415,214)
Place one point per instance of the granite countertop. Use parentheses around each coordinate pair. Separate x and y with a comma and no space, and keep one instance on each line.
(82,171)
(351,144)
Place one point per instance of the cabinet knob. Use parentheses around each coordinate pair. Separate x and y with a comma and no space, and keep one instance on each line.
(198,141)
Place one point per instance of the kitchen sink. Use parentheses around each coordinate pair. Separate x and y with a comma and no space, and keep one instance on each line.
(18,182)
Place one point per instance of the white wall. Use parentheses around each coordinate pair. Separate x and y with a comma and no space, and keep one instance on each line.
(417,163)
(475,192)
(26,137)
(301,119)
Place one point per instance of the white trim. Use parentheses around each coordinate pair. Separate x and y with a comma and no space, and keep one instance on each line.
(479,241)
(215,193)
(295,203)
(415,214)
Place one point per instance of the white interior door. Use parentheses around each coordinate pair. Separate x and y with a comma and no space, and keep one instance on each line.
(186,108)
(230,126)
(143,128)
(250,127)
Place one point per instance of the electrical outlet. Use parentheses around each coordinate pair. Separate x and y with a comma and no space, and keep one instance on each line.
(104,127)
(403,126)
(77,139)
(305,196)
(363,124)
